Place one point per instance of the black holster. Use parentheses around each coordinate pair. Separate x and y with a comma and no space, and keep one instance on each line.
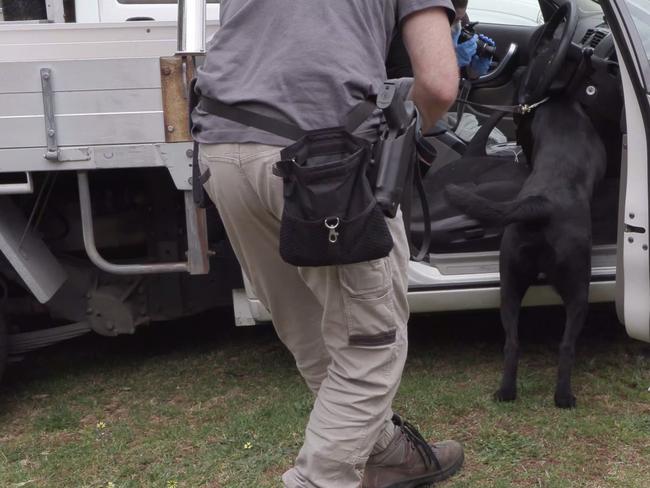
(397,171)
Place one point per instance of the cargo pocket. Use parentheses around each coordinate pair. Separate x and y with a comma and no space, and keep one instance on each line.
(368,300)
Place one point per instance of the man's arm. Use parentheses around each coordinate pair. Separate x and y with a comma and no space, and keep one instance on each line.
(427,37)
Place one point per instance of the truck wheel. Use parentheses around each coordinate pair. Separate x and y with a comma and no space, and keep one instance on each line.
(4,346)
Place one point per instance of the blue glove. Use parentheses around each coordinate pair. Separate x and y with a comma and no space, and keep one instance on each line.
(480,66)
(465,51)
(455,32)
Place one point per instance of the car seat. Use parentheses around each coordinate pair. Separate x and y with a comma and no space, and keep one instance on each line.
(498,176)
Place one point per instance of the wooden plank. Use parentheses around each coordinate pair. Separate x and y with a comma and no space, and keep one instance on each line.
(175,74)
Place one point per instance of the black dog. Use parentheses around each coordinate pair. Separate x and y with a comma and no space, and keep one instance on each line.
(548,229)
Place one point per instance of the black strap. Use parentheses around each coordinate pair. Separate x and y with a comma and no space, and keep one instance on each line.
(462,103)
(199,195)
(251,119)
(426,237)
(198,179)
(414,179)
(359,114)
(278,127)
(521,109)
(515,109)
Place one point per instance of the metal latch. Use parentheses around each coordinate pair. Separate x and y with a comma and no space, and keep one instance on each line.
(52,152)
(332,224)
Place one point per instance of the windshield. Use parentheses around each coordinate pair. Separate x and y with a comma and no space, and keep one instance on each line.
(640,11)
(589,6)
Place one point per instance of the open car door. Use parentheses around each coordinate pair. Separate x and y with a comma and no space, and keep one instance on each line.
(630,22)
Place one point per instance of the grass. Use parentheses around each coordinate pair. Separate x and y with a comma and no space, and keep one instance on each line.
(212,406)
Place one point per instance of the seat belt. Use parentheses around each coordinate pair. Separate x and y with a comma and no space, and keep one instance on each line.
(478,144)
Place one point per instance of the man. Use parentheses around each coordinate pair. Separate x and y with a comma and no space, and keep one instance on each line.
(309,63)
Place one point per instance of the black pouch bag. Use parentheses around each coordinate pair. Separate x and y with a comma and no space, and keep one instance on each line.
(330,212)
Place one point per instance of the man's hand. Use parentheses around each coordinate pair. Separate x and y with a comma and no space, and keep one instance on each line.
(427,37)
(466,51)
(479,66)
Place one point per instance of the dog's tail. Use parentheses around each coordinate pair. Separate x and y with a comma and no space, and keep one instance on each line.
(529,209)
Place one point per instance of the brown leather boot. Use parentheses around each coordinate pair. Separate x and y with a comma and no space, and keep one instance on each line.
(409,461)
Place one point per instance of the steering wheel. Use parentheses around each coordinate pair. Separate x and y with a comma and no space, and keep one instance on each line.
(548,53)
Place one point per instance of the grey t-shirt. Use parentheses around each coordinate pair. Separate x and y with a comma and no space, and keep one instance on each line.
(308,62)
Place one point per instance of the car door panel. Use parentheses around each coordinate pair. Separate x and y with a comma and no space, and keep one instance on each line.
(633,269)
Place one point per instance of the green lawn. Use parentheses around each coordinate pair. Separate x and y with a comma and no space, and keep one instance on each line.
(207,405)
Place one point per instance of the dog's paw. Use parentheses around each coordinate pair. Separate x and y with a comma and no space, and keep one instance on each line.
(563,400)
(505,395)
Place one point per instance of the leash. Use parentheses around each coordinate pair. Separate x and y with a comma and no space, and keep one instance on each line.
(460,110)
(521,109)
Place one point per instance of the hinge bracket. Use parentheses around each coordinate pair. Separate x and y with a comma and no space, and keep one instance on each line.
(52,151)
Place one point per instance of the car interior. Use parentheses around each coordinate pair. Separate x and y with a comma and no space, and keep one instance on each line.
(571,54)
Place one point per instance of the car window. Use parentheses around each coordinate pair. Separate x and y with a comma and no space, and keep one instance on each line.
(506,12)
(640,11)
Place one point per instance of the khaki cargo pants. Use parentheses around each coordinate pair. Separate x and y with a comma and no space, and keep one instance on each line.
(344,325)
